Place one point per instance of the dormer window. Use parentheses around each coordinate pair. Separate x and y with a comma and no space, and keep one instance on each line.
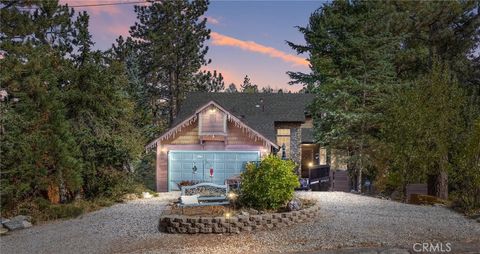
(212,121)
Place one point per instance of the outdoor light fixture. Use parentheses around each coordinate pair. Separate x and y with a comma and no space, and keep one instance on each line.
(232,195)
(310,164)
(228,215)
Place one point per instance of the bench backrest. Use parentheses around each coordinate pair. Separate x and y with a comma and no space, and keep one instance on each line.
(205,190)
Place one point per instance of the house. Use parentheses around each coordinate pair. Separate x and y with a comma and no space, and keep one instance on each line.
(215,134)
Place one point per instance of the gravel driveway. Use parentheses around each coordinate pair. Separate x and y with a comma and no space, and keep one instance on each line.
(348,220)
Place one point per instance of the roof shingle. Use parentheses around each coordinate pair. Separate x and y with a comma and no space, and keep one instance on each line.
(261,116)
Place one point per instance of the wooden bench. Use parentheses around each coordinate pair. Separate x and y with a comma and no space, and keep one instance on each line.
(204,194)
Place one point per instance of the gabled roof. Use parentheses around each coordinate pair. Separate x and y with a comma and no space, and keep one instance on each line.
(288,107)
(193,117)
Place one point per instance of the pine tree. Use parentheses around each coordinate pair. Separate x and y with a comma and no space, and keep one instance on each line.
(424,128)
(208,82)
(232,88)
(147,106)
(171,36)
(247,86)
(351,51)
(37,147)
(267,89)
(102,113)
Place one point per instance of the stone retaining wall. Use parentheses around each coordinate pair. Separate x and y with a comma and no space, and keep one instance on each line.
(181,224)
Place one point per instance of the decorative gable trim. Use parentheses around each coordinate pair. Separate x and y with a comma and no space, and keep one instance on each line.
(230,117)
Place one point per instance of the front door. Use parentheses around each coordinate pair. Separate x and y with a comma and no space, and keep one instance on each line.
(307,160)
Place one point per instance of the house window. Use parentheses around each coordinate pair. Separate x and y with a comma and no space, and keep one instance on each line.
(283,137)
(283,132)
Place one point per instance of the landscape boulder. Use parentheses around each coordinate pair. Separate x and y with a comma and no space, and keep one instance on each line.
(294,205)
(21,218)
(17,222)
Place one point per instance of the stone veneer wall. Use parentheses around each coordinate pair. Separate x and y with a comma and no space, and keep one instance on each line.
(181,224)
(295,148)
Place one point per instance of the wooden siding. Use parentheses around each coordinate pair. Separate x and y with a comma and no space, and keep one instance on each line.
(188,135)
(308,123)
(235,136)
(340,180)
(162,169)
(188,139)
(212,121)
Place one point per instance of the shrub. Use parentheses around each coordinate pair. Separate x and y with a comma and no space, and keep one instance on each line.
(465,178)
(65,211)
(419,199)
(145,170)
(269,184)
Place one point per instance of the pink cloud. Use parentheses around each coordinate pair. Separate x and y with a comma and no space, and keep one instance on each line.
(223,40)
(212,20)
(229,76)
(118,30)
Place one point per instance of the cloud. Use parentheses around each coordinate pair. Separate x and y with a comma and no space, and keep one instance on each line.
(223,40)
(212,20)
(120,29)
(229,76)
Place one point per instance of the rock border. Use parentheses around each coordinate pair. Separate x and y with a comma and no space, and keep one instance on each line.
(182,224)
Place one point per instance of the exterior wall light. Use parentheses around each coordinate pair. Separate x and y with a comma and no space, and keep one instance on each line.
(232,195)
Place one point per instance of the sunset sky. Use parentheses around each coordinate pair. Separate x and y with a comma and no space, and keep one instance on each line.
(248,37)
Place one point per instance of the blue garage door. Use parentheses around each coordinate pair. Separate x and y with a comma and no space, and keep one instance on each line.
(224,164)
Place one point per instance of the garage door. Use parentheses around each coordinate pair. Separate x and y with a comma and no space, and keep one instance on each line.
(224,164)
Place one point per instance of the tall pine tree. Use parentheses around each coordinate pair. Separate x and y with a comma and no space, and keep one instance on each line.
(351,50)
(37,147)
(171,36)
(102,114)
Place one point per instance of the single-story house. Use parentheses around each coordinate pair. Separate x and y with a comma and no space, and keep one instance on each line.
(215,134)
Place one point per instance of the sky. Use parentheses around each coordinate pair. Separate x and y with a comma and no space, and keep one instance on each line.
(247,38)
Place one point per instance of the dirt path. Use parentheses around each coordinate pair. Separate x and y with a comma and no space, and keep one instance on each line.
(347,221)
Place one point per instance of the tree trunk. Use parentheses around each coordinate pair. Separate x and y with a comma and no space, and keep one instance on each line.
(441,185)
(359,179)
(172,97)
(362,144)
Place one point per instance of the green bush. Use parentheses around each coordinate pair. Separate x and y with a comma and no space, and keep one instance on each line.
(64,211)
(268,185)
(145,170)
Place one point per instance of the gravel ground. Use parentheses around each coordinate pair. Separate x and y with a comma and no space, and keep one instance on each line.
(347,221)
